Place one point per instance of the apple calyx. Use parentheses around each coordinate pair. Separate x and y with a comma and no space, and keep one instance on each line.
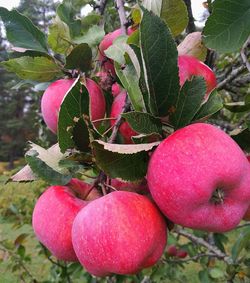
(218,196)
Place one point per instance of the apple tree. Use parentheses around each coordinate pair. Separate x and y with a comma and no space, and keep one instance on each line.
(150,169)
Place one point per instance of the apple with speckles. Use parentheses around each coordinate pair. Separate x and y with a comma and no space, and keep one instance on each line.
(120,233)
(199,178)
(54,214)
(54,95)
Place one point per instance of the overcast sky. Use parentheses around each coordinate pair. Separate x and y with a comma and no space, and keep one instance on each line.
(196,5)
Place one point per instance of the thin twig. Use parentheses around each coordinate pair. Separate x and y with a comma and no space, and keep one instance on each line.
(193,258)
(232,76)
(122,15)
(119,121)
(243,54)
(199,241)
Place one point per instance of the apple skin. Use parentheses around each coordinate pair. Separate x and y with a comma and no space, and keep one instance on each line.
(116,89)
(54,214)
(125,130)
(106,63)
(120,185)
(186,169)
(247,214)
(53,97)
(190,66)
(120,233)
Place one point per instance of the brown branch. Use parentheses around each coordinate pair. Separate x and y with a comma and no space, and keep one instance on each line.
(191,26)
(231,77)
(244,55)
(119,121)
(193,258)
(122,15)
(199,241)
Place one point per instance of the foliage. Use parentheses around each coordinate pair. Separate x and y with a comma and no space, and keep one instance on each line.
(146,66)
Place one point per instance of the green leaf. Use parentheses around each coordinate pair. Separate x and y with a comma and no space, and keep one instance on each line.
(189,102)
(73,107)
(92,37)
(40,69)
(216,273)
(159,54)
(127,162)
(59,38)
(241,243)
(117,50)
(67,14)
(21,32)
(143,123)
(130,81)
(89,21)
(228,27)
(80,58)
(212,106)
(174,12)
(45,164)
(242,137)
(237,106)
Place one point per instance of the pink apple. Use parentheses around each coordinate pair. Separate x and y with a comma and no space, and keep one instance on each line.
(125,130)
(120,233)
(139,187)
(247,214)
(107,64)
(53,97)
(199,177)
(116,89)
(190,66)
(54,214)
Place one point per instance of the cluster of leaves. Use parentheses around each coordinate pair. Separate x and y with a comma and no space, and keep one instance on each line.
(146,67)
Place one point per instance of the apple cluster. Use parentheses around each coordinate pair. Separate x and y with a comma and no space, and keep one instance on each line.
(197,177)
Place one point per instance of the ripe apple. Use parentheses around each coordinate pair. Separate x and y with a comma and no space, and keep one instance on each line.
(139,187)
(107,64)
(172,250)
(53,97)
(120,233)
(116,89)
(199,177)
(247,214)
(190,66)
(54,213)
(125,130)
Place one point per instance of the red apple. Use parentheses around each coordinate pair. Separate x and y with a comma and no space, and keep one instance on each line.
(181,253)
(116,89)
(107,64)
(247,214)
(172,250)
(54,214)
(190,66)
(120,233)
(199,177)
(139,187)
(125,130)
(53,97)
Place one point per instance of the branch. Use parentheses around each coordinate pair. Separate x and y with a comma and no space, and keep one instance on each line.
(102,6)
(231,77)
(244,55)
(122,15)
(193,258)
(199,241)
(119,121)
(191,26)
